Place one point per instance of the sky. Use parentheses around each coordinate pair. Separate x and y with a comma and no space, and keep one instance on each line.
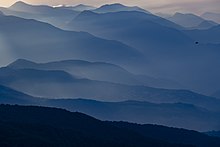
(165,6)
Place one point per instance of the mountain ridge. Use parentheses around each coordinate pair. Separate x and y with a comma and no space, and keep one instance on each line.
(53,85)
(101,71)
(116,7)
(189,20)
(59,43)
(169,114)
(61,120)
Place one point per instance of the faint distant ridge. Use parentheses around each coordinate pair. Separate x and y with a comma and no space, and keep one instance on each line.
(56,16)
(191,21)
(70,87)
(101,71)
(137,23)
(41,9)
(24,7)
(18,4)
(212,16)
(206,25)
(118,7)
(63,44)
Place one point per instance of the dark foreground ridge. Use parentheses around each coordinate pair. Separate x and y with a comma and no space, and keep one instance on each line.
(41,126)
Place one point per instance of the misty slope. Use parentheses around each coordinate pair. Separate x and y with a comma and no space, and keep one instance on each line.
(191,21)
(211,16)
(117,7)
(97,71)
(123,26)
(40,126)
(56,16)
(166,57)
(175,115)
(83,69)
(49,43)
(10,96)
(55,84)
(171,54)
(136,29)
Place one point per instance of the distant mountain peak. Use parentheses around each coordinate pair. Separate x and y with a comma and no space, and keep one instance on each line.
(187,20)
(79,7)
(19,3)
(82,5)
(25,7)
(111,6)
(114,5)
(21,62)
(191,21)
(178,14)
(87,13)
(118,7)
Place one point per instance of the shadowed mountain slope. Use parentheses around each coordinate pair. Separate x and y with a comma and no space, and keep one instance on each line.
(68,129)
(38,126)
